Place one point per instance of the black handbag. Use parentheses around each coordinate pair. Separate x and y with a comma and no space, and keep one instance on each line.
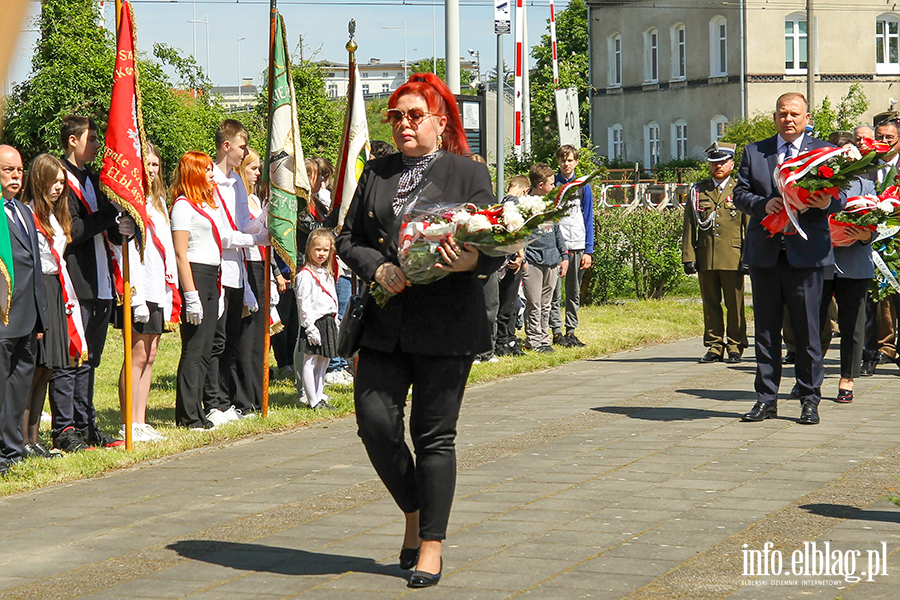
(350,332)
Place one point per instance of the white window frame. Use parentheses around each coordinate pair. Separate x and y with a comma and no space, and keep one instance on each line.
(616,142)
(652,145)
(679,52)
(365,89)
(797,40)
(651,55)
(718,46)
(717,126)
(679,139)
(385,88)
(332,90)
(883,63)
(614,49)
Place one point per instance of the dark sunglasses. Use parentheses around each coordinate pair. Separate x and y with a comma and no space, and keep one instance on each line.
(414,116)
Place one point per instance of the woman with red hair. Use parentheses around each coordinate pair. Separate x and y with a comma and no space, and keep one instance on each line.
(426,336)
(198,253)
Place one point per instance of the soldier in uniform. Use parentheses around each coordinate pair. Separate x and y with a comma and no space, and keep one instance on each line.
(712,245)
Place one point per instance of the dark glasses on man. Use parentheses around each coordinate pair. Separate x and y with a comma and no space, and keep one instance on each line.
(414,116)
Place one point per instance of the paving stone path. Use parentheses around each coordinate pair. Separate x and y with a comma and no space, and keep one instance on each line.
(623,477)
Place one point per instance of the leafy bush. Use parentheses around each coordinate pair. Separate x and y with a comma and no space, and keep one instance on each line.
(636,253)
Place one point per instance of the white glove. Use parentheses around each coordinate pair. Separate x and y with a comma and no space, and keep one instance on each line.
(141,313)
(313,335)
(261,238)
(193,309)
(250,300)
(221,310)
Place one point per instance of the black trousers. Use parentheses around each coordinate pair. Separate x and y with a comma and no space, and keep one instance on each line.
(71,389)
(218,392)
(850,295)
(196,349)
(800,290)
(427,483)
(284,341)
(508,313)
(246,373)
(16,372)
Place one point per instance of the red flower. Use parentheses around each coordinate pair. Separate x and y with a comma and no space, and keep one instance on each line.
(870,145)
(891,192)
(826,172)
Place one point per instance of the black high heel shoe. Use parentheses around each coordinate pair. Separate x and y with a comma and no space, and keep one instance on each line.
(408,558)
(423,579)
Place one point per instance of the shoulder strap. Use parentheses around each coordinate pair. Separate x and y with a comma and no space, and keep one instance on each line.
(316,278)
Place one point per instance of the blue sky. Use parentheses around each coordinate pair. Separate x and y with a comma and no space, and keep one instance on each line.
(324,29)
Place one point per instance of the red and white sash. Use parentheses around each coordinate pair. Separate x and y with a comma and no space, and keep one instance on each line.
(245,273)
(78,350)
(215,232)
(115,251)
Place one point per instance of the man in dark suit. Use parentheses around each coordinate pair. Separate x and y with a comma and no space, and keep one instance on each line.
(785,270)
(18,338)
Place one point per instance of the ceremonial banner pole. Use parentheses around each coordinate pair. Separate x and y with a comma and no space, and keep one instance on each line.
(267,254)
(128,407)
(123,178)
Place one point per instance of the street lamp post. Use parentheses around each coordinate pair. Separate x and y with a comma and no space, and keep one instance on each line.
(240,80)
(203,21)
(477,56)
(405,64)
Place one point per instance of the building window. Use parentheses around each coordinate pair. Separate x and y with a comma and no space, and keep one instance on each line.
(365,89)
(717,127)
(614,74)
(679,52)
(365,75)
(795,44)
(651,145)
(887,44)
(332,90)
(718,47)
(679,140)
(385,87)
(385,74)
(651,56)
(616,142)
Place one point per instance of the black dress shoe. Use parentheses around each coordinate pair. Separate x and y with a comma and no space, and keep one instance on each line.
(844,396)
(710,357)
(795,391)
(408,558)
(809,414)
(733,358)
(883,358)
(423,579)
(868,368)
(761,412)
(788,358)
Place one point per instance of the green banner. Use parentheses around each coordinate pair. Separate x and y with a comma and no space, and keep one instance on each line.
(7,274)
(286,168)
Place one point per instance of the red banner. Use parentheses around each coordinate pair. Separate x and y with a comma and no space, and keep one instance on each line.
(123,176)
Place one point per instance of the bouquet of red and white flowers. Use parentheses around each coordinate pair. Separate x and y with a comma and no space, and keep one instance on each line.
(821,170)
(497,230)
(864,213)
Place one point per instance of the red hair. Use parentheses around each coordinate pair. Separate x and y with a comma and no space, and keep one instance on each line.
(439,99)
(191,180)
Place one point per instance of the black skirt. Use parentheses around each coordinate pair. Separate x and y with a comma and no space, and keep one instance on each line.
(53,348)
(329,332)
(155,326)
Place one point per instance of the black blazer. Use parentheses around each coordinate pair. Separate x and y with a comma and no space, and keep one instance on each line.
(755,187)
(27,310)
(444,318)
(80,256)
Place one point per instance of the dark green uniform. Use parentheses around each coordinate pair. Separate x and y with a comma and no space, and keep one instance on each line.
(715,244)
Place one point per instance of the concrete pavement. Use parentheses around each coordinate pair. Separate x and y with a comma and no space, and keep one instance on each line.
(622,477)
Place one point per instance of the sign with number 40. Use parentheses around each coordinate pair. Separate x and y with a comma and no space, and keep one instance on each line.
(567,117)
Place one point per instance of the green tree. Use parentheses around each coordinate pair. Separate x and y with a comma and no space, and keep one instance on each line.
(572,53)
(425,66)
(746,131)
(321,118)
(845,116)
(72,74)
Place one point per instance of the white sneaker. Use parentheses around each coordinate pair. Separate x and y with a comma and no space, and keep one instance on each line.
(45,417)
(217,417)
(332,378)
(347,375)
(250,415)
(137,434)
(493,359)
(157,436)
(232,414)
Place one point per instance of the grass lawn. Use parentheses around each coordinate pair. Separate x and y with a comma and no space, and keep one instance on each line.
(605,330)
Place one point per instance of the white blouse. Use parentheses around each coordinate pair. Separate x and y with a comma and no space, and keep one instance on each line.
(49,265)
(149,279)
(202,245)
(314,302)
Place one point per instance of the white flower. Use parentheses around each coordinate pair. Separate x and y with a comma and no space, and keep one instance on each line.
(531,205)
(512,218)
(478,223)
(886,205)
(460,216)
(852,153)
(435,230)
